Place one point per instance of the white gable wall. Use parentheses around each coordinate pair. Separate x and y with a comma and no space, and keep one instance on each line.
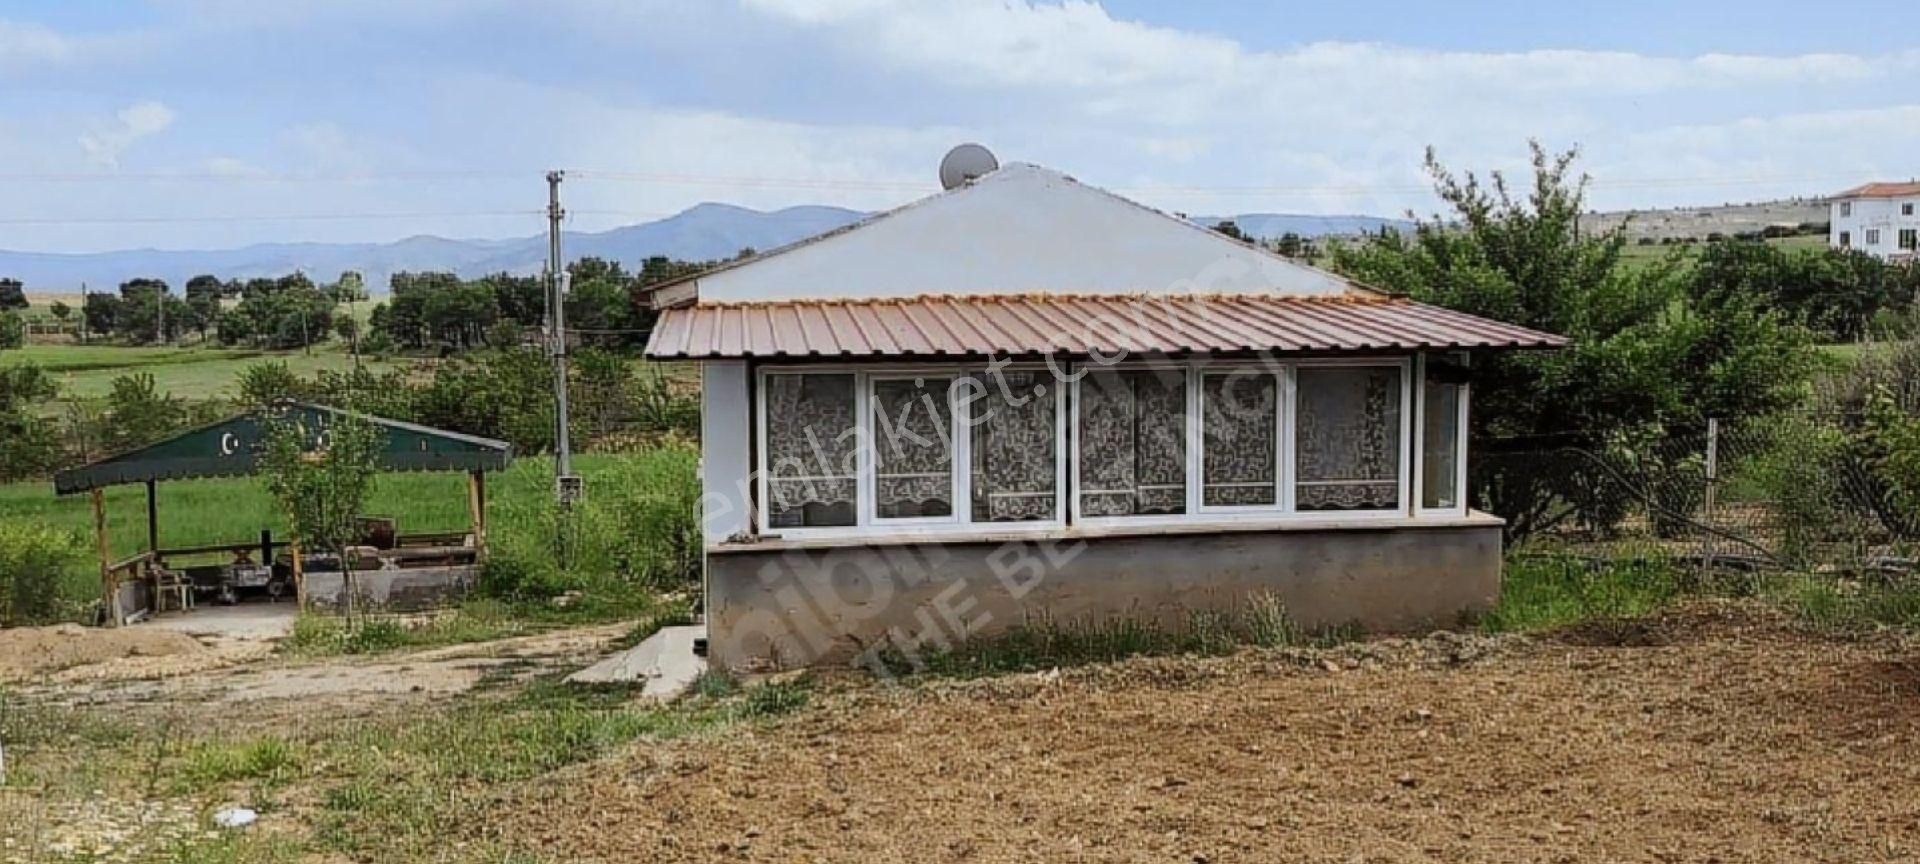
(1019,230)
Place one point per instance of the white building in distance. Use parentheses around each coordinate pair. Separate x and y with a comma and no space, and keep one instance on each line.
(1880,219)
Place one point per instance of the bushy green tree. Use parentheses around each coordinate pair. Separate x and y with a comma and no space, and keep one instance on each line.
(100,313)
(1836,293)
(13,330)
(263,384)
(13,294)
(141,413)
(1646,357)
(29,444)
(321,478)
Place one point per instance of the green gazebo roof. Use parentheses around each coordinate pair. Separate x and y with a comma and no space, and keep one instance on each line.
(232,446)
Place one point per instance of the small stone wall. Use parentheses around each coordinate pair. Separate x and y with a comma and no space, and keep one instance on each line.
(402,590)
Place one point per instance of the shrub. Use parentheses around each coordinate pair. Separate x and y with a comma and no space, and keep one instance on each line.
(637,529)
(13,330)
(34,559)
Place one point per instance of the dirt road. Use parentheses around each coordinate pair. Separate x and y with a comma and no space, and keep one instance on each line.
(1735,738)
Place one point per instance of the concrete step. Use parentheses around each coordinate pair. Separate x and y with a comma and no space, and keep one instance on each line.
(665,662)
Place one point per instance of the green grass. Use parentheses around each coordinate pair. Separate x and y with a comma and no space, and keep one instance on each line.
(87,371)
(1544,592)
(236,510)
(1848,606)
(393,787)
(1264,622)
(1635,255)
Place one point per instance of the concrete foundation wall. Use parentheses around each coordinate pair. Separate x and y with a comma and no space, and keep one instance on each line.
(785,607)
(406,590)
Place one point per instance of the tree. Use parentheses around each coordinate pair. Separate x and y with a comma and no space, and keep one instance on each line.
(140,413)
(203,298)
(321,478)
(61,312)
(1646,357)
(13,294)
(145,315)
(101,313)
(1229,228)
(29,444)
(13,330)
(267,383)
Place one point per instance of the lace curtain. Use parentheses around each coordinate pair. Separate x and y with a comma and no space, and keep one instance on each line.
(812,447)
(1240,432)
(913,448)
(1015,462)
(1348,438)
(1440,446)
(1133,443)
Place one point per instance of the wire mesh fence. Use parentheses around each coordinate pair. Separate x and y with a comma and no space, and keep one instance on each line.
(1801,492)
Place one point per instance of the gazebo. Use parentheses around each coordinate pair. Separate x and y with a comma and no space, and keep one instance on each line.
(232,447)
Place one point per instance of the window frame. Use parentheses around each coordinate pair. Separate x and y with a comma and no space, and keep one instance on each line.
(1066,391)
(866,522)
(958,488)
(1460,447)
(1908,239)
(1287,414)
(1872,237)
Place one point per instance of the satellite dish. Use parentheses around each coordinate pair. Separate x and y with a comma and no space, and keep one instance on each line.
(964,163)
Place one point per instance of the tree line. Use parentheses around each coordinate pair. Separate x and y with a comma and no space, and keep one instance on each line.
(425,311)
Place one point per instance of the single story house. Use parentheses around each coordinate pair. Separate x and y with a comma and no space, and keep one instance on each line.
(1027,397)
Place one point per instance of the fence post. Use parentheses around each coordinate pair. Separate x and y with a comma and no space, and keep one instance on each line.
(1713,481)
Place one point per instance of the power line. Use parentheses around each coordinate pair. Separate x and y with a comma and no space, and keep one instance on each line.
(840,184)
(265,217)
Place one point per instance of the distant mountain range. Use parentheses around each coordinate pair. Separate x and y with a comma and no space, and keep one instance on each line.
(702,233)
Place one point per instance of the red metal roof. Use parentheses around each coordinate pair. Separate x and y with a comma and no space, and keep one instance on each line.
(1074,324)
(1882,190)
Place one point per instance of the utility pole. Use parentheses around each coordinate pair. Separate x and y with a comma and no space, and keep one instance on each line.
(566,486)
(83,313)
(160,314)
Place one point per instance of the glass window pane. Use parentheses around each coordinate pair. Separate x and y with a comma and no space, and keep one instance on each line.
(812,446)
(1239,432)
(1348,438)
(1015,447)
(1440,446)
(1133,443)
(912,448)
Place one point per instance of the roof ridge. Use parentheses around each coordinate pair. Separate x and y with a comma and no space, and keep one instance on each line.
(1059,297)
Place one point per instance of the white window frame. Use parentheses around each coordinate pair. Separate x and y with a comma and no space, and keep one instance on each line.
(1287,410)
(866,521)
(956,450)
(1460,448)
(1906,208)
(1067,479)
(1197,436)
(1873,237)
(1846,209)
(1408,430)
(1908,238)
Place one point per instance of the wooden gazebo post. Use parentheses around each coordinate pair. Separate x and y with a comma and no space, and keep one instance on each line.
(108,591)
(477,510)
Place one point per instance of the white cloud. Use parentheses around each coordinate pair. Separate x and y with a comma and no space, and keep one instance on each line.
(132,123)
(28,45)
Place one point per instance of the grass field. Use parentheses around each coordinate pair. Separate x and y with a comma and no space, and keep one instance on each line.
(1642,255)
(237,509)
(87,371)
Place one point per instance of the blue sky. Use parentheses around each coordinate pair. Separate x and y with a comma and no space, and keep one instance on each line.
(194,123)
